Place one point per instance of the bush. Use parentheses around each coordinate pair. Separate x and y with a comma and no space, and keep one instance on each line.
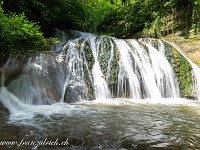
(51,14)
(125,19)
(19,36)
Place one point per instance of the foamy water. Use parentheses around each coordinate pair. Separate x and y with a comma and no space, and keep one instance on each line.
(30,111)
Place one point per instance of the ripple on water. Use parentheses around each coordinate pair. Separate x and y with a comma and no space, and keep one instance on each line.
(117,123)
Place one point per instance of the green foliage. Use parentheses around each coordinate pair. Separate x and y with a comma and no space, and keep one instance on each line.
(121,18)
(61,14)
(196,17)
(18,35)
(95,12)
(163,18)
(124,19)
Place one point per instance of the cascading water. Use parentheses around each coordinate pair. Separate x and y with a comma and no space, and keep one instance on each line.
(100,85)
(91,67)
(163,72)
(127,71)
(10,101)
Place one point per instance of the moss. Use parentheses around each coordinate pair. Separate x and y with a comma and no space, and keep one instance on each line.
(113,80)
(89,60)
(89,55)
(182,70)
(110,71)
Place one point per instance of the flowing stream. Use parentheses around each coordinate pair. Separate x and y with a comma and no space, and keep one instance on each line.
(114,124)
(100,93)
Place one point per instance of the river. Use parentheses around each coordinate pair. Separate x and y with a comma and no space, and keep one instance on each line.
(111,124)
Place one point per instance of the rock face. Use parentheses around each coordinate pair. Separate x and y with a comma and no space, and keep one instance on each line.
(44,78)
(12,68)
(75,92)
(37,80)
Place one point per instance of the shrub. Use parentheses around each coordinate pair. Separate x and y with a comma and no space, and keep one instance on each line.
(19,36)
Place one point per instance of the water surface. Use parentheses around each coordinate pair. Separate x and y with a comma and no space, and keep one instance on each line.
(114,124)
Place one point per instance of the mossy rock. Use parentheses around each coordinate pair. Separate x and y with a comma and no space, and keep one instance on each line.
(182,69)
(108,59)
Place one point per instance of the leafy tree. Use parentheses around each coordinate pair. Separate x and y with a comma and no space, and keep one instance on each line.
(124,20)
(119,18)
(196,16)
(62,14)
(95,12)
(19,36)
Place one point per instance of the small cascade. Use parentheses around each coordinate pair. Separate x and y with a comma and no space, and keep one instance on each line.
(127,78)
(10,101)
(75,57)
(100,85)
(143,68)
(163,72)
(64,90)
(196,71)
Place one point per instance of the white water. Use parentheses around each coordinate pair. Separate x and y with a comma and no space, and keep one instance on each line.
(75,59)
(100,85)
(20,112)
(10,101)
(146,69)
(127,71)
(111,123)
(144,64)
(163,72)
(64,89)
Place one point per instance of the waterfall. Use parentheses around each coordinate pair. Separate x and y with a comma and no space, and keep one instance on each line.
(10,101)
(88,67)
(148,72)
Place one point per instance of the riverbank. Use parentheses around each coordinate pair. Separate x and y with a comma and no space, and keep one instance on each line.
(191,45)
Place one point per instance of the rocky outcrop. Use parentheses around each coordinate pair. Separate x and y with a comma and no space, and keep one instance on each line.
(40,79)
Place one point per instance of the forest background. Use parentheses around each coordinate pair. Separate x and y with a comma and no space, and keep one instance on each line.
(29,25)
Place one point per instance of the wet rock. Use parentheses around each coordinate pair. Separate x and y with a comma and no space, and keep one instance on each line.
(12,68)
(38,79)
(42,79)
(75,92)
